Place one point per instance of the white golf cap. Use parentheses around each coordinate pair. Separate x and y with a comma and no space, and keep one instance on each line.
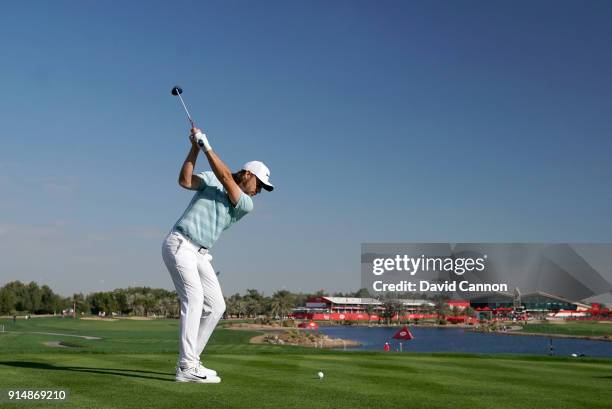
(261,171)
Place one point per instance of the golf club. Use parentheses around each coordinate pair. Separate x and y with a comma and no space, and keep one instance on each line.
(177,91)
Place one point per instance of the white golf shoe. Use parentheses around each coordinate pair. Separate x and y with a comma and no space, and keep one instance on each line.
(196,375)
(201,368)
(206,371)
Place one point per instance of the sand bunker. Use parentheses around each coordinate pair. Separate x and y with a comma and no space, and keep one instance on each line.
(63,335)
(59,344)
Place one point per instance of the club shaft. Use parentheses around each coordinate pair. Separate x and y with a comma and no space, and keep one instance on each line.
(186,110)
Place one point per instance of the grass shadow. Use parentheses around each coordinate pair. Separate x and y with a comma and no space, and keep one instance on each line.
(132,373)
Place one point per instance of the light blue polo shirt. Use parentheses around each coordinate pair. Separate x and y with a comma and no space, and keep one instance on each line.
(211,211)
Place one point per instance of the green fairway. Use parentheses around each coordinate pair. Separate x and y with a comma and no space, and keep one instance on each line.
(582,328)
(133,366)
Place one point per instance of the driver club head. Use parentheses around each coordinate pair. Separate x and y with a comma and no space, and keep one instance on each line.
(177,91)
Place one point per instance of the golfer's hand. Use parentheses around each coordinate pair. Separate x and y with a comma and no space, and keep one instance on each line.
(192,138)
(199,139)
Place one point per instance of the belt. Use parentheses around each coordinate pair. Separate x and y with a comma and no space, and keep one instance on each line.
(201,249)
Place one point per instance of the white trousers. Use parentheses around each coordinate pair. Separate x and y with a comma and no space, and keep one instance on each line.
(202,303)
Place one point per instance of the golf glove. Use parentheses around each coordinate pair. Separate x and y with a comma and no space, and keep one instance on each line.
(202,141)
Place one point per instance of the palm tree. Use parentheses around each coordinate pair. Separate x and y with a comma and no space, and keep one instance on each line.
(241,308)
(167,305)
(362,293)
(369,309)
(442,310)
(255,302)
(252,308)
(391,308)
(138,303)
(469,311)
(230,307)
(281,304)
(80,303)
(149,304)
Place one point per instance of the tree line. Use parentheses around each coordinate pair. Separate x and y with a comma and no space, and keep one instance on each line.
(19,298)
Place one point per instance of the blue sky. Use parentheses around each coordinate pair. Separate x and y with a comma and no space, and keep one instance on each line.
(445,121)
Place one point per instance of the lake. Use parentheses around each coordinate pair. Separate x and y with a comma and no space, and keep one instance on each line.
(463,340)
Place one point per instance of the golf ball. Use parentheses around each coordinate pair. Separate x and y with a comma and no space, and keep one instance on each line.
(320,375)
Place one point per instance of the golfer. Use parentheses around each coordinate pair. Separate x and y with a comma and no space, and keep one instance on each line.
(221,199)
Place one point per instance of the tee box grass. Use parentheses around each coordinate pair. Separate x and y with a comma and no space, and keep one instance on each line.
(132,366)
